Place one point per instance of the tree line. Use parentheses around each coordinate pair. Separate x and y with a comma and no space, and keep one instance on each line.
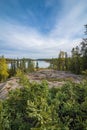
(76,63)
(11,68)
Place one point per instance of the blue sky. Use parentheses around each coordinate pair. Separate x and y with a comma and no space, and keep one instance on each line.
(41,28)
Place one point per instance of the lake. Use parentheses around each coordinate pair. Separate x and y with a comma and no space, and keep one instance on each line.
(42,64)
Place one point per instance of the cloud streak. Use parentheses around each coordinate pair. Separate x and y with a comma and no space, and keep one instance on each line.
(19,40)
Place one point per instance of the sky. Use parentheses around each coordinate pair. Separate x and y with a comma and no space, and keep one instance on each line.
(41,28)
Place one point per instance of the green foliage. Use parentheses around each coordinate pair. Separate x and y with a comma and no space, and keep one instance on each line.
(19,73)
(84,72)
(37,66)
(76,63)
(23,65)
(72,97)
(36,107)
(1,107)
(30,66)
(13,67)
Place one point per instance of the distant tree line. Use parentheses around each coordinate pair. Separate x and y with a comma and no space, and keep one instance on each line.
(76,63)
(21,64)
(14,66)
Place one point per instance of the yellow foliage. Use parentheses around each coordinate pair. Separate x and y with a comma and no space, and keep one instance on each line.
(3,69)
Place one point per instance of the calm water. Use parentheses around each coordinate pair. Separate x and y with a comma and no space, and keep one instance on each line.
(43,64)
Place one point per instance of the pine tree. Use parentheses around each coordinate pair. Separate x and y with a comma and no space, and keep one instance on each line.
(30,66)
(37,66)
(75,61)
(84,50)
(61,60)
(66,61)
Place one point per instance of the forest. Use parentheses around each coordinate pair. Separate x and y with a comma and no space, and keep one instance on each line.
(35,106)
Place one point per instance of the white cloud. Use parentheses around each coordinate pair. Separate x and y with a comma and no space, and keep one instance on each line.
(72,21)
(24,41)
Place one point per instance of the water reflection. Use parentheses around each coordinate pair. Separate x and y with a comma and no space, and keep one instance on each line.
(42,64)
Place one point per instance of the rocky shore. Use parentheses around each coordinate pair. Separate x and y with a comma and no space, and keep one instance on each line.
(53,77)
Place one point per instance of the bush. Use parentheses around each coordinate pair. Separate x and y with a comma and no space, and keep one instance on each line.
(36,107)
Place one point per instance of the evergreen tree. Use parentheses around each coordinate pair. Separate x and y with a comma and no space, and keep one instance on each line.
(23,65)
(37,66)
(84,53)
(61,60)
(66,61)
(51,64)
(84,50)
(75,61)
(30,66)
(18,63)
